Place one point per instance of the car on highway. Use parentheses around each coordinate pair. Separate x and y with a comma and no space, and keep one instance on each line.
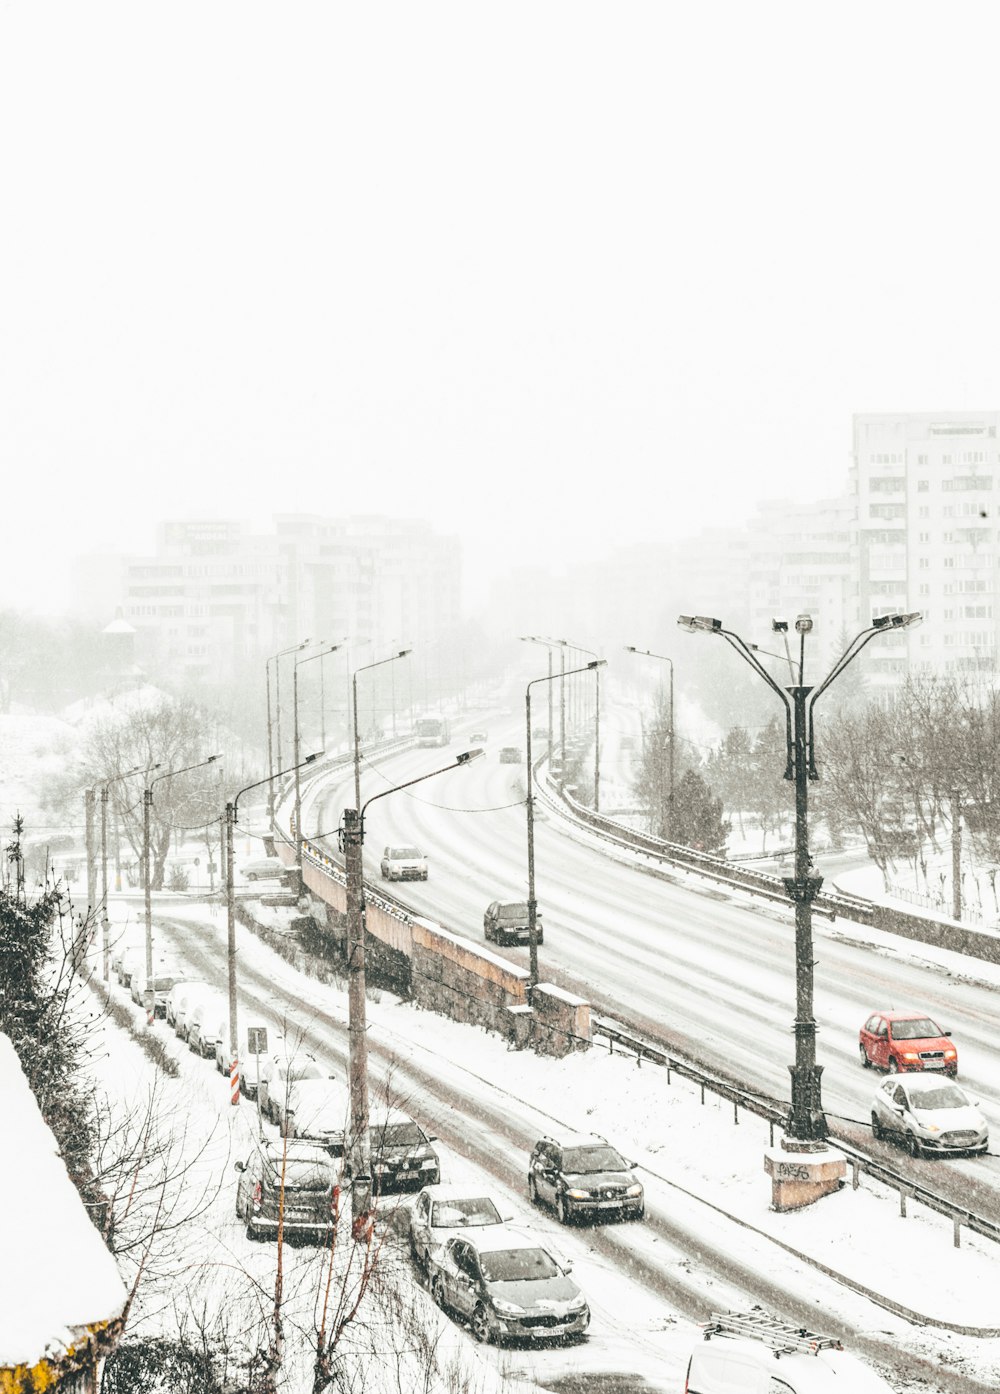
(928,1114)
(318,1110)
(507,1286)
(901,1042)
(478,737)
(278,1073)
(308,1195)
(401,1153)
(510,755)
(263,869)
(581,1174)
(506,922)
(441,1211)
(403,864)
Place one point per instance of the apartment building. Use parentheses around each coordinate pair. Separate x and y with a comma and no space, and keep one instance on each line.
(926,488)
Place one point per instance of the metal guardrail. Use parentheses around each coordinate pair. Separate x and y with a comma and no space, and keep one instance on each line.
(860,1161)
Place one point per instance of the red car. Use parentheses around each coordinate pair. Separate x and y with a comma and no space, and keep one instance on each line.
(904,1041)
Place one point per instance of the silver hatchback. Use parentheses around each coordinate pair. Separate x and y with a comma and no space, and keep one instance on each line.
(928,1113)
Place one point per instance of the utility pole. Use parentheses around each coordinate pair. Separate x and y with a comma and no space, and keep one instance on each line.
(88,820)
(360,1141)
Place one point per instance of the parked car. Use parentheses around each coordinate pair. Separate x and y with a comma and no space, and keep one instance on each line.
(131,962)
(510,755)
(178,995)
(208,1024)
(165,974)
(507,1286)
(506,922)
(256,1041)
(478,737)
(132,938)
(402,1155)
(582,1174)
(190,996)
(404,864)
(278,1072)
(754,1353)
(309,1180)
(264,869)
(440,1211)
(929,1114)
(318,1110)
(903,1041)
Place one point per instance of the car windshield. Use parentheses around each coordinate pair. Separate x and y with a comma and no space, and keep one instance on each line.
(399,852)
(514,912)
(303,1174)
(473,1210)
(943,1096)
(396,1135)
(517,1265)
(582,1159)
(164,981)
(918,1028)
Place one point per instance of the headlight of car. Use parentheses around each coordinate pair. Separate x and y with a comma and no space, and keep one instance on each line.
(577,1194)
(635,1190)
(428,1164)
(507,1309)
(951,1054)
(910,1055)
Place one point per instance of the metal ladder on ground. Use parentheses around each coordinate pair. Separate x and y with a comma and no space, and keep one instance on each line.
(781,1336)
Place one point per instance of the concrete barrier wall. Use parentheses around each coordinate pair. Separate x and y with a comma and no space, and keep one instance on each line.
(946,935)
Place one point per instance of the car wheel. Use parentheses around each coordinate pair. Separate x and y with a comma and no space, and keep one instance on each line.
(539,938)
(639,1214)
(253,1233)
(480,1325)
(532,1190)
(251,875)
(913,1145)
(437,1291)
(864,1057)
(562,1209)
(878,1132)
(893,1066)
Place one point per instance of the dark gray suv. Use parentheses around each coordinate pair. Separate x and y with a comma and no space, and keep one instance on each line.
(506,922)
(309,1180)
(581,1174)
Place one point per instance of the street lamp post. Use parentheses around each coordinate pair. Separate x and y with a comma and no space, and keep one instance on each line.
(530,809)
(230,822)
(648,653)
(296,764)
(105,923)
(147,805)
(578,648)
(550,645)
(806,1130)
(354,704)
(275,659)
(352,836)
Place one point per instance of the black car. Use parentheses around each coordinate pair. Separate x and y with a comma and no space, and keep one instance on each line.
(309,1179)
(402,1155)
(581,1174)
(506,922)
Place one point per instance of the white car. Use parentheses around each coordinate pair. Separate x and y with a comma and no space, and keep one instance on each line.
(165,974)
(928,1113)
(441,1211)
(257,1040)
(187,999)
(131,962)
(404,864)
(264,869)
(754,1353)
(318,1110)
(208,1023)
(277,1073)
(131,938)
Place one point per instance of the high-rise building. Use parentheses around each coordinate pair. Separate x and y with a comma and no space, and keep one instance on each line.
(926,486)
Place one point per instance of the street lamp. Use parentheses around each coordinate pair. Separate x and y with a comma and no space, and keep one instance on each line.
(352,837)
(147,804)
(530,805)
(230,821)
(648,653)
(806,1129)
(597,720)
(354,703)
(105,924)
(550,645)
(296,765)
(293,648)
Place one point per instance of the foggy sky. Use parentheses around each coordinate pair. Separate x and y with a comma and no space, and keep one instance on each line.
(555,275)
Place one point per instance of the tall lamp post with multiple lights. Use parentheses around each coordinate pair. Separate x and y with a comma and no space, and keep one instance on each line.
(806,1129)
(147,807)
(668,822)
(530,809)
(352,837)
(276,660)
(230,821)
(354,704)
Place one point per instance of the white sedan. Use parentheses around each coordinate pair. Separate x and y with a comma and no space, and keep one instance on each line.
(928,1114)
(441,1211)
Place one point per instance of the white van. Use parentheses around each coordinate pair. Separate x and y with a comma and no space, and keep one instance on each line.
(257,1041)
(755,1353)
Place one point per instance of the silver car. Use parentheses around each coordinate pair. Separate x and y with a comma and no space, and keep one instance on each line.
(442,1211)
(928,1114)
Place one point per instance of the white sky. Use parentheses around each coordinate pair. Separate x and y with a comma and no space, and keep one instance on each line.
(570,271)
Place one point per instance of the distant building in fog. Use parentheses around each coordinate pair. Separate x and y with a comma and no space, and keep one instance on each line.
(926,486)
(216,595)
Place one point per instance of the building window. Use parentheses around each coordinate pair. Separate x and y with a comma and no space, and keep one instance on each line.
(923,485)
(923,511)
